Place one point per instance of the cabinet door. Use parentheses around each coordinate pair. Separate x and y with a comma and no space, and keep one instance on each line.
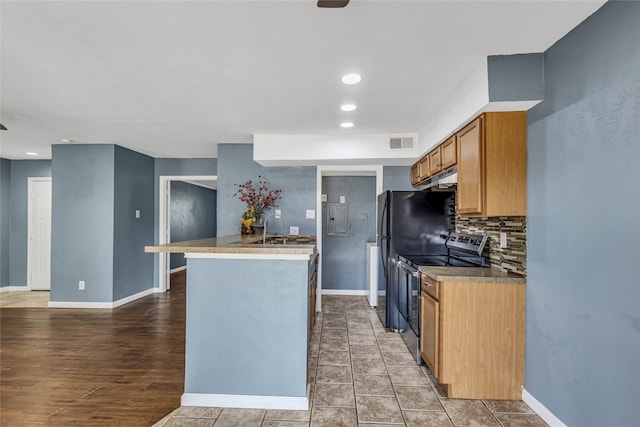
(312,303)
(415,176)
(470,168)
(423,168)
(429,331)
(435,163)
(449,153)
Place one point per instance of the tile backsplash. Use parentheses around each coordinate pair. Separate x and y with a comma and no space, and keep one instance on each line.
(513,258)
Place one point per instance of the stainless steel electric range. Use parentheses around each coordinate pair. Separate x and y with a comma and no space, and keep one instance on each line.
(463,250)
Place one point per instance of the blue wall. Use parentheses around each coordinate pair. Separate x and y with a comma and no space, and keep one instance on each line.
(175,167)
(193,215)
(5,219)
(396,178)
(133,189)
(298,184)
(21,170)
(583,293)
(82,225)
(343,257)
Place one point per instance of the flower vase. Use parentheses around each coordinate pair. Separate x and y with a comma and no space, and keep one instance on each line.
(257,227)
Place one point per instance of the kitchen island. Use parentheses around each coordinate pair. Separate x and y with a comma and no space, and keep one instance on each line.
(247,321)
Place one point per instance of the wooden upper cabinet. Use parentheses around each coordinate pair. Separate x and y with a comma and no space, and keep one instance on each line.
(435,164)
(415,176)
(470,182)
(423,168)
(449,153)
(492,165)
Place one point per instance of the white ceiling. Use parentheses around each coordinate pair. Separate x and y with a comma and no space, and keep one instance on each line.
(175,78)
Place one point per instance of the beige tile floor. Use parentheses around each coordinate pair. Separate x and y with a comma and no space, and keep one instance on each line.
(33,299)
(363,376)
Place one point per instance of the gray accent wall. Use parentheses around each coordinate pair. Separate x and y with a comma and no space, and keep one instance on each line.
(298,184)
(343,257)
(583,293)
(5,219)
(20,171)
(516,77)
(133,190)
(82,231)
(175,167)
(192,215)
(397,178)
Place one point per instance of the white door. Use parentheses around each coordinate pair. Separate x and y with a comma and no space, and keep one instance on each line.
(39,243)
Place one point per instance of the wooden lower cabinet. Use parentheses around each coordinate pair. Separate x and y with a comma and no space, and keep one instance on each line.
(475,345)
(312,303)
(429,331)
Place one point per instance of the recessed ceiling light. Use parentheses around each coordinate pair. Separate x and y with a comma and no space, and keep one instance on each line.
(348,107)
(351,79)
(31,153)
(346,125)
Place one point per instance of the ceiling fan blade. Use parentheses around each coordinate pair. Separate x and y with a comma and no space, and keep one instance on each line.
(332,3)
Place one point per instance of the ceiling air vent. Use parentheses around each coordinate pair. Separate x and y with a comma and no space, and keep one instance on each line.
(401,143)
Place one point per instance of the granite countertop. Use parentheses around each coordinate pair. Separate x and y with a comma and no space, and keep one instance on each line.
(235,244)
(471,274)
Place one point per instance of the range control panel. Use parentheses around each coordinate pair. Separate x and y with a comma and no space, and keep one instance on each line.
(467,242)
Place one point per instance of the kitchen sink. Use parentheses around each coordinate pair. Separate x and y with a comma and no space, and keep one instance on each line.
(287,240)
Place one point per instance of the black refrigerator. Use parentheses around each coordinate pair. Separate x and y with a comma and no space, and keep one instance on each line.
(409,223)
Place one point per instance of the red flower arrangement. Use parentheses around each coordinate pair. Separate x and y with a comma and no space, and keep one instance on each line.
(261,199)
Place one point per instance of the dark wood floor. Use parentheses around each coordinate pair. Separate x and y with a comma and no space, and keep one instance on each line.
(121,367)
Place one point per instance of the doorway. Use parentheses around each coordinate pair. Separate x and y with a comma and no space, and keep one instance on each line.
(164,220)
(39,234)
(340,170)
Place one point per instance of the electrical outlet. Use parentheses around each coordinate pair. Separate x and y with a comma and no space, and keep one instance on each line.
(294,231)
(311,214)
(137,213)
(278,212)
(81,285)
(323,198)
(343,199)
(503,240)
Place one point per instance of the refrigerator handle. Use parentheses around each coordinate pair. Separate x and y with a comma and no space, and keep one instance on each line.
(384,240)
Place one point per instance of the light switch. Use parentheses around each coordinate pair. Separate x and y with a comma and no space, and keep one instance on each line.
(311,214)
(137,213)
(294,231)
(343,199)
(278,212)
(324,198)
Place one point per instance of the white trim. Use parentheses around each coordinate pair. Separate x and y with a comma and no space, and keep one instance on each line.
(272,256)
(347,170)
(30,181)
(177,269)
(541,410)
(107,305)
(14,289)
(245,401)
(344,292)
(164,193)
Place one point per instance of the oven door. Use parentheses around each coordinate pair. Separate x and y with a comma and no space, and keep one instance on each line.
(409,296)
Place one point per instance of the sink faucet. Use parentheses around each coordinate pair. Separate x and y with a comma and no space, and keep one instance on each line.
(264,232)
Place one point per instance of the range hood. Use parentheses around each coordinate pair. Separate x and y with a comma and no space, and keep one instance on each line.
(444,179)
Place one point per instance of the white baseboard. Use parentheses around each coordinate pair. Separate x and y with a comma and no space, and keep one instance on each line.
(14,289)
(541,410)
(107,305)
(177,269)
(245,401)
(363,292)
